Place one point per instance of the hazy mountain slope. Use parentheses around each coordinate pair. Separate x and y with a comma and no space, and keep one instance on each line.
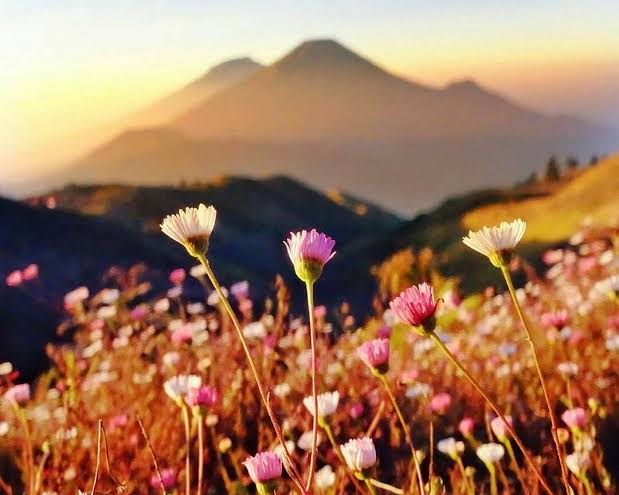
(593,195)
(331,118)
(173,105)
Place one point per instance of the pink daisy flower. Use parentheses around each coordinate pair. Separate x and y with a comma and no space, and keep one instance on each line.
(168,478)
(556,319)
(440,403)
(499,428)
(31,272)
(575,418)
(309,252)
(205,396)
(263,467)
(177,277)
(466,426)
(19,394)
(14,279)
(416,306)
(375,353)
(359,453)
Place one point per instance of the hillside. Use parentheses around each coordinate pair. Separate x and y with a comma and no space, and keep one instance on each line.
(594,195)
(182,100)
(332,118)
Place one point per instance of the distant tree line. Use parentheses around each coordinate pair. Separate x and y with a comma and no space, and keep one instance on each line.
(554,170)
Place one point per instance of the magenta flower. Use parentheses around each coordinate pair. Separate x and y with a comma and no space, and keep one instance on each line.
(118,421)
(263,467)
(14,279)
(440,403)
(416,306)
(177,277)
(320,312)
(30,272)
(240,290)
(375,354)
(18,394)
(138,313)
(466,426)
(556,319)
(168,478)
(575,418)
(356,410)
(204,396)
(499,428)
(309,253)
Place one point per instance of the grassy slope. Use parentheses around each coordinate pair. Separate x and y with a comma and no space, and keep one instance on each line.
(593,195)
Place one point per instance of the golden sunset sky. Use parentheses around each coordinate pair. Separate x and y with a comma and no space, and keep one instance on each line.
(72,71)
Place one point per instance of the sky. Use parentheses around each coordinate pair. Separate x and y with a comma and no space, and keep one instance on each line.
(70,71)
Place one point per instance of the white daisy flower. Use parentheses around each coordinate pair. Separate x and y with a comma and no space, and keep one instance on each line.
(191,227)
(494,241)
(305,440)
(325,478)
(491,452)
(578,463)
(178,386)
(327,403)
(451,447)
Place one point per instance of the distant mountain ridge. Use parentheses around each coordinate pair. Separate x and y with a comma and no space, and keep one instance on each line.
(332,118)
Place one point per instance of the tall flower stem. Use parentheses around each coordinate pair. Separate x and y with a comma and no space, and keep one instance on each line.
(314,452)
(407,433)
(553,419)
(369,485)
(494,407)
(385,486)
(469,484)
(327,427)
(492,471)
(289,463)
(185,414)
(512,457)
(200,453)
(28,453)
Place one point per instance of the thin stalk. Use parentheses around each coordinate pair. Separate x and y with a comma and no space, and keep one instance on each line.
(28,454)
(37,480)
(314,452)
(494,407)
(289,465)
(386,486)
(152,454)
(327,427)
(512,456)
(369,485)
(94,481)
(470,487)
(185,414)
(200,453)
(407,432)
(553,420)
(587,484)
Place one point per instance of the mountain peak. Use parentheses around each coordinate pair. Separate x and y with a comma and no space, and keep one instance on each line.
(465,85)
(241,64)
(322,53)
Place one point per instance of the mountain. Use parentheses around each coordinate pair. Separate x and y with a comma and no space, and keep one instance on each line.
(332,118)
(182,100)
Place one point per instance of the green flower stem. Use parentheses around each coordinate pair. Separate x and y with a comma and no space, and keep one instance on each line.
(314,452)
(385,486)
(185,414)
(369,485)
(407,432)
(493,406)
(327,427)
(512,456)
(470,487)
(200,453)
(289,463)
(553,419)
(28,451)
(587,483)
(493,486)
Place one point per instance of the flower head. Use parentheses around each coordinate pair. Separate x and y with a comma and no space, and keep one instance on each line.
(309,253)
(578,463)
(191,227)
(263,467)
(168,479)
(204,396)
(75,297)
(30,272)
(466,426)
(491,452)
(499,428)
(416,307)
(555,319)
(18,394)
(14,278)
(451,447)
(375,354)
(327,403)
(497,242)
(177,276)
(359,453)
(440,403)
(575,418)
(178,386)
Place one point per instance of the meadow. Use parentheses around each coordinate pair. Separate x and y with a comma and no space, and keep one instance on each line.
(434,393)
